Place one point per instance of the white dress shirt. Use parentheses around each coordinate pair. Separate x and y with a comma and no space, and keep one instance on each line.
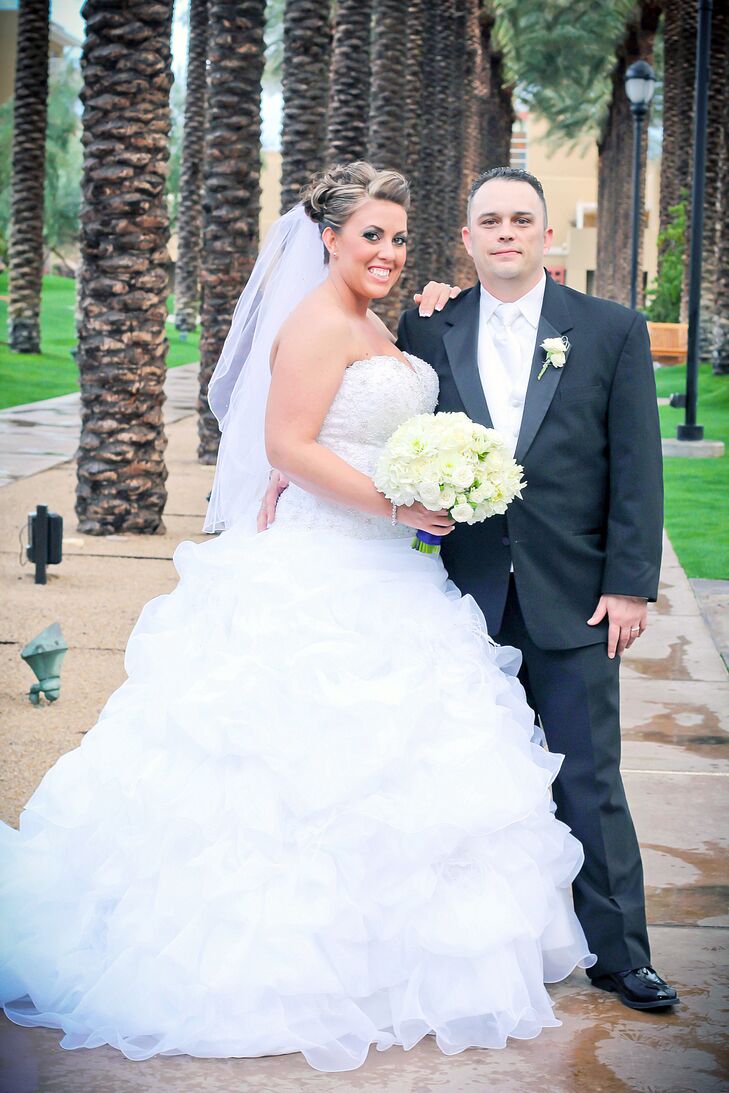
(505,351)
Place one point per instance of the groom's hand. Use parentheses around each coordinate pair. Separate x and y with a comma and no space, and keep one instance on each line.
(628,619)
(267,512)
(435,296)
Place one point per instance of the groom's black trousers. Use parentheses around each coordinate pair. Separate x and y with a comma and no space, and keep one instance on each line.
(575,692)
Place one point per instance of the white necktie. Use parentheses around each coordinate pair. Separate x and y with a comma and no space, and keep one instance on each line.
(506,342)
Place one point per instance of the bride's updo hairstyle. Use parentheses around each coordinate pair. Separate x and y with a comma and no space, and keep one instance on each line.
(331,197)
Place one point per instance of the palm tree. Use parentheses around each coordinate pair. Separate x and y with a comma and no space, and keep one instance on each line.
(349,93)
(28,173)
(187,269)
(476,94)
(123,282)
(679,46)
(424,153)
(307,47)
(614,201)
(387,143)
(414,134)
(445,97)
(231,202)
(498,115)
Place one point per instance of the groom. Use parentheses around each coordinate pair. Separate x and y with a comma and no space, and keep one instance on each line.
(566,574)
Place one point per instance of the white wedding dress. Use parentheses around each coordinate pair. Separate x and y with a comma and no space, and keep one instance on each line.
(313,818)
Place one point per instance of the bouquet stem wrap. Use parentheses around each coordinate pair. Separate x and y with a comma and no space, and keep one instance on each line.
(427,543)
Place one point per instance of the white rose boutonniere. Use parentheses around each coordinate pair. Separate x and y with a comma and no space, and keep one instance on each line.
(555,353)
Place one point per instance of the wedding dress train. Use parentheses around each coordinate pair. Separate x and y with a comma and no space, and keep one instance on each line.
(313,818)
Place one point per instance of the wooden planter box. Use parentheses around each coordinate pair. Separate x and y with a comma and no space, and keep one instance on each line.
(669,342)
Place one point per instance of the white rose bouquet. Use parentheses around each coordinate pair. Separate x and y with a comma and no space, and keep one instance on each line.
(447,461)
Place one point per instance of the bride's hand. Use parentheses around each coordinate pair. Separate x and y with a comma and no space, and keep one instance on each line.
(422,519)
(435,296)
(277,483)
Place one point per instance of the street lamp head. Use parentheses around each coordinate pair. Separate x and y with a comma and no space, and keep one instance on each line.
(640,83)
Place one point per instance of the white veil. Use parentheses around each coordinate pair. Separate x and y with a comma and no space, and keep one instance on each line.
(290,264)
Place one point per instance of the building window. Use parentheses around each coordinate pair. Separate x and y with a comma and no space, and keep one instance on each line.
(586,215)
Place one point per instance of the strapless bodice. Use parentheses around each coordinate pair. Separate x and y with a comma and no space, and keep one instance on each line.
(377,395)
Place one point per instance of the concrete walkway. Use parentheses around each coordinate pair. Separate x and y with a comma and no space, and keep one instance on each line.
(40,435)
(676,767)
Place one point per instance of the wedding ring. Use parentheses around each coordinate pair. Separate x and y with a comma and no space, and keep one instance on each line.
(635,629)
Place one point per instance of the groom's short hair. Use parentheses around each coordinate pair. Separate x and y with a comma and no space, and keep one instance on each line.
(512,173)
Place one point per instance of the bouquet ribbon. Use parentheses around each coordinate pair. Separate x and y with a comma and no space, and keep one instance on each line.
(427,543)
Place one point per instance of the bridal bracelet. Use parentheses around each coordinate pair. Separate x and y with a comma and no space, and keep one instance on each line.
(393,517)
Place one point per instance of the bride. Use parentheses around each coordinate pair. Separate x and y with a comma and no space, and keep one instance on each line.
(313,818)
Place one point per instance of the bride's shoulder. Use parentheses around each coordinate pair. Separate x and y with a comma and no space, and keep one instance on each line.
(314,330)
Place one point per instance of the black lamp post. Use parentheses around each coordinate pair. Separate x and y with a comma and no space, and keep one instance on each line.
(690,430)
(640,83)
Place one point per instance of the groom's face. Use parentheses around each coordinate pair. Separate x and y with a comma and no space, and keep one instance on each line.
(506,234)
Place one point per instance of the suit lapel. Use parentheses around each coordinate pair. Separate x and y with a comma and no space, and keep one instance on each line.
(461,346)
(554,321)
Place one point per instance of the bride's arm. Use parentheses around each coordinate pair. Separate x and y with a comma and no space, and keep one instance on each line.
(306,375)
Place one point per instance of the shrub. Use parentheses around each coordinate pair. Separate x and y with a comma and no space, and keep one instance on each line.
(664,295)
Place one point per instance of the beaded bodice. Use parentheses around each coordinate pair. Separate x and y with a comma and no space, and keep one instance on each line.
(377,395)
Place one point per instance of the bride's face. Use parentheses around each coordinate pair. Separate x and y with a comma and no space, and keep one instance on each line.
(369,251)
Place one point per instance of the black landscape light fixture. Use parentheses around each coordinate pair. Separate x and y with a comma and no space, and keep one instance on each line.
(689,430)
(640,83)
(45,540)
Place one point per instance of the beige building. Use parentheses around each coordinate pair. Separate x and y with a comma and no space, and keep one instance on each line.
(569,177)
(59,41)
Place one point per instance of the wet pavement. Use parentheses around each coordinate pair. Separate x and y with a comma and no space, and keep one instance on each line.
(676,766)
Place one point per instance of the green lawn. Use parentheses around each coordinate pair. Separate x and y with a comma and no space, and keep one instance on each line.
(27,378)
(697,490)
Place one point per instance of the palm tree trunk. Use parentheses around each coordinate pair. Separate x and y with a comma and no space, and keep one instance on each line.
(123,282)
(679,46)
(349,94)
(414,133)
(231,203)
(614,202)
(718,181)
(28,175)
(441,156)
(474,96)
(498,115)
(307,47)
(429,153)
(459,102)
(387,144)
(187,270)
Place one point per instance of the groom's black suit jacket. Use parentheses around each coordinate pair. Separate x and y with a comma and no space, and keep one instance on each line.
(590,520)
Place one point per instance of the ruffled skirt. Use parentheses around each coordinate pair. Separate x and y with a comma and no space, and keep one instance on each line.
(312,820)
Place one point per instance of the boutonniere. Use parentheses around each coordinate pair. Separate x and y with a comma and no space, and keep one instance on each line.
(555,353)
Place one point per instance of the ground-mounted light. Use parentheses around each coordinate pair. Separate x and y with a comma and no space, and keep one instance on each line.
(45,540)
(44,656)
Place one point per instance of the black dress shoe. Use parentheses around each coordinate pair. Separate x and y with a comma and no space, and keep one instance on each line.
(641,988)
